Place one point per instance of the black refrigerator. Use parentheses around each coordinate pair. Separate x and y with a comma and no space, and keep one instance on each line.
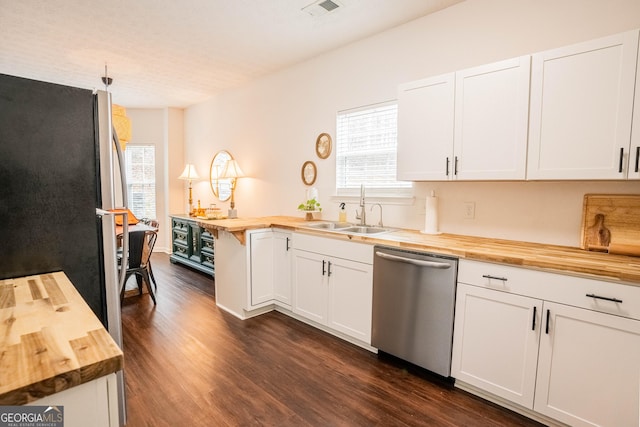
(58,166)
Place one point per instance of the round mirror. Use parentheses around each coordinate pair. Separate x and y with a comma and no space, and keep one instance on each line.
(221,187)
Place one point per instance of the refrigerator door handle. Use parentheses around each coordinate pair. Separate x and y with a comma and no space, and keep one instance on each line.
(125,243)
(123,172)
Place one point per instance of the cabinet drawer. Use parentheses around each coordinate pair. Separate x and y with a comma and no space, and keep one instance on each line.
(180,250)
(207,260)
(359,252)
(592,294)
(180,236)
(206,242)
(207,246)
(178,224)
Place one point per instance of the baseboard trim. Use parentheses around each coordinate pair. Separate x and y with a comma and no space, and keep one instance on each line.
(509,405)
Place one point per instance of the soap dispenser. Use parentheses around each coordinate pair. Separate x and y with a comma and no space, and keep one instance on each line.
(342,215)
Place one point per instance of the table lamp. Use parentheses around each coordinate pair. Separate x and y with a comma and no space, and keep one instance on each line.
(232,171)
(189,173)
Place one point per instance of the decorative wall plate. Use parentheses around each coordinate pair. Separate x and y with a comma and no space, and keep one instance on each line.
(323,145)
(308,172)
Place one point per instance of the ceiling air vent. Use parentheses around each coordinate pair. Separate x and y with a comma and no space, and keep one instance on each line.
(321,7)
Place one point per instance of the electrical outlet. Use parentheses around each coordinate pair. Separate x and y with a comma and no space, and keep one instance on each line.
(469,210)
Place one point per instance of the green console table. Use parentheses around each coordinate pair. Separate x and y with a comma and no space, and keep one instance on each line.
(192,245)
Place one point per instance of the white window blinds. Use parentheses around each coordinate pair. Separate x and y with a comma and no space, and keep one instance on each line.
(366,142)
(141,180)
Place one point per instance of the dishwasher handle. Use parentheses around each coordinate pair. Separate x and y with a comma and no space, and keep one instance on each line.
(418,262)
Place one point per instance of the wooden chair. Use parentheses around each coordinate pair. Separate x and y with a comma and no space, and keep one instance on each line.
(141,244)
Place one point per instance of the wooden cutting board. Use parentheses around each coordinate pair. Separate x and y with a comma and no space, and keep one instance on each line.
(611,222)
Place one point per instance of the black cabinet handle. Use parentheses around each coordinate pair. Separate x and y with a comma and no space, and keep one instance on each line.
(637,157)
(533,322)
(455,166)
(546,329)
(604,298)
(323,268)
(328,268)
(287,245)
(447,166)
(621,157)
(488,276)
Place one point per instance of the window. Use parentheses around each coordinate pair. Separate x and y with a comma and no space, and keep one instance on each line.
(366,145)
(141,180)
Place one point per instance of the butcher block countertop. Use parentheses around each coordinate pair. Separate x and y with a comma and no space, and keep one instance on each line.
(561,259)
(50,340)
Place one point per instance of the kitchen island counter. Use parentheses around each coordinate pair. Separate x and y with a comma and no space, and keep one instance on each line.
(51,340)
(554,258)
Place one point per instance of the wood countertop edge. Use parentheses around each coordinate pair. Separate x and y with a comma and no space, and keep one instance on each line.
(52,341)
(63,381)
(501,251)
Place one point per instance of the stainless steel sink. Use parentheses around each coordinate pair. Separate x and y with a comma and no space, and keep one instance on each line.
(330,225)
(365,229)
(345,227)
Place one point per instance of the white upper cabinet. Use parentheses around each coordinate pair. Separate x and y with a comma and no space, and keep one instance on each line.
(634,152)
(581,110)
(425,129)
(468,125)
(491,115)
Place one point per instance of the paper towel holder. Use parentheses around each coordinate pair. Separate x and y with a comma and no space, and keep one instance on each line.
(431,215)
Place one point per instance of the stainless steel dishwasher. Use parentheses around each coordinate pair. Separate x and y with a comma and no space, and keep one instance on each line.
(413,306)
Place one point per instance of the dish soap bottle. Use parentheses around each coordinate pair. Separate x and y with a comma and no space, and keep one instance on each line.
(342,215)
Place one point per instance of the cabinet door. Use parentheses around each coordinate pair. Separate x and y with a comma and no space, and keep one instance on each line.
(491,119)
(581,107)
(350,297)
(495,345)
(194,242)
(262,267)
(425,129)
(634,152)
(282,267)
(310,286)
(588,368)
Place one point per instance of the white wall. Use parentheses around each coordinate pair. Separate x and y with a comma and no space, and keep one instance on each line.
(164,129)
(270,125)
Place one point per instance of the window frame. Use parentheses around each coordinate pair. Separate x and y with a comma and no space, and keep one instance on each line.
(402,191)
(128,173)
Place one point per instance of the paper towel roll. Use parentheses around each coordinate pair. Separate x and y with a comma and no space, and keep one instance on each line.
(431,215)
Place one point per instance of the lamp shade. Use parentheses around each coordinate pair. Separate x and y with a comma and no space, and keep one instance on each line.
(121,124)
(189,172)
(232,170)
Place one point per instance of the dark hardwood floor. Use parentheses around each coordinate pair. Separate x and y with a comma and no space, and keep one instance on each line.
(188,363)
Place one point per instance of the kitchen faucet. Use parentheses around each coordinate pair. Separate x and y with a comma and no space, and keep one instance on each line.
(380,206)
(362,216)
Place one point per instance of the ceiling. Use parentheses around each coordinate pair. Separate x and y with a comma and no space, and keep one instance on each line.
(177,53)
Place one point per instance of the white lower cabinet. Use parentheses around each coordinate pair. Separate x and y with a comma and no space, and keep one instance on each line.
(269,268)
(495,343)
(92,404)
(261,267)
(565,347)
(351,298)
(588,368)
(311,287)
(282,267)
(331,290)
